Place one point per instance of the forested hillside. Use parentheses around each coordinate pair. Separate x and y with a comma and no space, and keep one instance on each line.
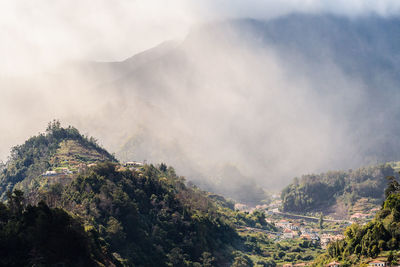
(378,238)
(42,236)
(317,192)
(150,217)
(112,213)
(44,152)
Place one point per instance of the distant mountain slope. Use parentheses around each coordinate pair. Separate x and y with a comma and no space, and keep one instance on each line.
(322,192)
(102,72)
(335,93)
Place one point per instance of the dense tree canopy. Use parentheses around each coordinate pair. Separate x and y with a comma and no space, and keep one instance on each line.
(315,191)
(151,218)
(107,213)
(370,240)
(41,236)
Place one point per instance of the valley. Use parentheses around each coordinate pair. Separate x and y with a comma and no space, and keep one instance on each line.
(120,202)
(199,133)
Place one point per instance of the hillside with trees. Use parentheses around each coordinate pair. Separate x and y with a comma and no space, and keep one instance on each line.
(95,211)
(150,211)
(43,236)
(113,214)
(321,191)
(40,153)
(379,238)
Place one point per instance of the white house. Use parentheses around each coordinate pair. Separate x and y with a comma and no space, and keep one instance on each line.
(49,173)
(134,164)
(334,264)
(377,263)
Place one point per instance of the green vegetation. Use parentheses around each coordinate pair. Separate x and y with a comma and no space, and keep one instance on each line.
(264,251)
(142,217)
(93,211)
(38,154)
(151,218)
(255,219)
(380,237)
(41,236)
(318,192)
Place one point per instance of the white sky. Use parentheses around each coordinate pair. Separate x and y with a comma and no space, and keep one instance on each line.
(42,33)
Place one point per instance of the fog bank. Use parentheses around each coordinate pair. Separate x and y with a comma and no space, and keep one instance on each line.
(228,102)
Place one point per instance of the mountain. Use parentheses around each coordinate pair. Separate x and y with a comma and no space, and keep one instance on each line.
(108,72)
(71,197)
(241,91)
(300,93)
(338,192)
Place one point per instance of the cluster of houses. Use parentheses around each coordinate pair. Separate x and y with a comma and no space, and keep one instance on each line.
(374,263)
(82,167)
(297,264)
(379,263)
(75,166)
(61,175)
(291,230)
(296,230)
(325,239)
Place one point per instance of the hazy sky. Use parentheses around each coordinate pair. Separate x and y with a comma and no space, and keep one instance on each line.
(41,33)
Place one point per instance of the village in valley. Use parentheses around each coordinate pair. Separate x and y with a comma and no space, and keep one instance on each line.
(299,238)
(318,229)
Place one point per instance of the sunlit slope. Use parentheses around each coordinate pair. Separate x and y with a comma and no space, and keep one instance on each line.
(56,155)
(353,191)
(378,239)
(131,216)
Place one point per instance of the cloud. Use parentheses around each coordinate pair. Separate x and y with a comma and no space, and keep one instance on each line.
(265,9)
(45,32)
(41,34)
